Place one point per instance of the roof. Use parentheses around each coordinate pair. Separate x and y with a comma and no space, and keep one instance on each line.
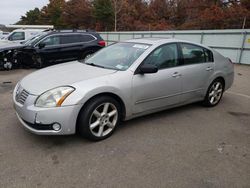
(160,41)
(154,40)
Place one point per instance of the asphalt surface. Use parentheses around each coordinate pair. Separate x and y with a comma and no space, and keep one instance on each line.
(190,146)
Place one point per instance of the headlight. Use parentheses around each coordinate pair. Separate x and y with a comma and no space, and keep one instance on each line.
(54,97)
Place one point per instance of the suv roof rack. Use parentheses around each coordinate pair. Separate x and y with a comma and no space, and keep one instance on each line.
(73,30)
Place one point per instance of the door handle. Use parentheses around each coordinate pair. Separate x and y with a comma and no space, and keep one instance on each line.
(209,68)
(176,74)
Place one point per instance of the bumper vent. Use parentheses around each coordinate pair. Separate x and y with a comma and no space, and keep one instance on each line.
(22,96)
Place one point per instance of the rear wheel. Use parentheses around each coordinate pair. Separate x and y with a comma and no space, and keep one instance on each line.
(99,118)
(214,93)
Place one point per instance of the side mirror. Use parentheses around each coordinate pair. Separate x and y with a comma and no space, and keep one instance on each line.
(147,69)
(41,45)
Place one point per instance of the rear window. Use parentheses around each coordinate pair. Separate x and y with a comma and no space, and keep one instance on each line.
(193,54)
(87,38)
(69,39)
(52,40)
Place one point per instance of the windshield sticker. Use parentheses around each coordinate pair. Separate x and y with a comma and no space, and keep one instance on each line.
(141,46)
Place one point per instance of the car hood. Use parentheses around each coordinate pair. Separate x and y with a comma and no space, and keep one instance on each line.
(61,75)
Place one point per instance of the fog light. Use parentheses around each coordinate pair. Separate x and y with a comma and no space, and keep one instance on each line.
(56,126)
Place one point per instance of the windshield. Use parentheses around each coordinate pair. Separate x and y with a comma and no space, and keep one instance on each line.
(34,40)
(119,56)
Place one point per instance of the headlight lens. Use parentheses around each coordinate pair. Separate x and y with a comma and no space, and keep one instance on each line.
(54,97)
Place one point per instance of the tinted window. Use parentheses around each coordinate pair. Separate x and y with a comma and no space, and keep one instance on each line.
(17,36)
(193,54)
(68,39)
(87,38)
(208,55)
(164,57)
(52,40)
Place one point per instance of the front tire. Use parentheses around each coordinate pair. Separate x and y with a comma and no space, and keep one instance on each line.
(214,93)
(99,118)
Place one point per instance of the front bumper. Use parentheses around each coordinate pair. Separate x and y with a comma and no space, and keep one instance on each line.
(40,120)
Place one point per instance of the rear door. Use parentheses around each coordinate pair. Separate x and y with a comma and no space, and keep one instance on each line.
(74,45)
(197,67)
(71,45)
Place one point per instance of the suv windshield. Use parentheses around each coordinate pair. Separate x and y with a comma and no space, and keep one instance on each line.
(35,39)
(119,56)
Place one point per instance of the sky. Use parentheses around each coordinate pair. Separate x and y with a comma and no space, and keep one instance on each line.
(12,10)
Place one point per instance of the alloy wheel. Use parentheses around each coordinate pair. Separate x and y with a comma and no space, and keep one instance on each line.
(103,119)
(215,93)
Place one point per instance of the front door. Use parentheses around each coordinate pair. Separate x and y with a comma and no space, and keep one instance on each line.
(51,52)
(161,89)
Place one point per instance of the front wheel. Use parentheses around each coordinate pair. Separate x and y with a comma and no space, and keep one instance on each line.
(214,93)
(99,118)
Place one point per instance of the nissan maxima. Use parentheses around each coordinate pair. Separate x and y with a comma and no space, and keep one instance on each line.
(120,82)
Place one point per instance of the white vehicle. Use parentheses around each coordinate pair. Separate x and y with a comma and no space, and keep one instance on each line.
(20,35)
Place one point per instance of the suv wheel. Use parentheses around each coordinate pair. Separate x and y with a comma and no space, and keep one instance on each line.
(99,118)
(214,93)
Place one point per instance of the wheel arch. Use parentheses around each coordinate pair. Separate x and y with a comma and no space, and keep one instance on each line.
(110,94)
(222,79)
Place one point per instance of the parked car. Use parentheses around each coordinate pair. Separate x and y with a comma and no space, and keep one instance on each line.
(8,53)
(120,82)
(60,46)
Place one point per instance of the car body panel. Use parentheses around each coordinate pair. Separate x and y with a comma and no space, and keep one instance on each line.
(149,90)
(61,75)
(194,80)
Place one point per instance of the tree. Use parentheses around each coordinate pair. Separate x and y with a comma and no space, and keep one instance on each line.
(117,7)
(160,10)
(31,17)
(52,13)
(78,14)
(131,15)
(104,13)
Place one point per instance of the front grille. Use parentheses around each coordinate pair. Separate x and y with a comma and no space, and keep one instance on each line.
(21,96)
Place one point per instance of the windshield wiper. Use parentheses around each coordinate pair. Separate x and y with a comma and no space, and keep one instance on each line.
(95,65)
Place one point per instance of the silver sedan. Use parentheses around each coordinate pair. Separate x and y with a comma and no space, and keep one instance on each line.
(122,81)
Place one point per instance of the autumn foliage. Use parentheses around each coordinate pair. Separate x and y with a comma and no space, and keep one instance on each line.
(128,15)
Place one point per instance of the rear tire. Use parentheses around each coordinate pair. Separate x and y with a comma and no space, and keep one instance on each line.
(99,118)
(214,93)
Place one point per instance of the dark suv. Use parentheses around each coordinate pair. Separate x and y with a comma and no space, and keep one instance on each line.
(60,46)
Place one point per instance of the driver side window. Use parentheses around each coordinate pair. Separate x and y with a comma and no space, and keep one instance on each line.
(163,57)
(53,40)
(17,36)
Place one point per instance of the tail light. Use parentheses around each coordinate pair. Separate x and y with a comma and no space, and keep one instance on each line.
(102,43)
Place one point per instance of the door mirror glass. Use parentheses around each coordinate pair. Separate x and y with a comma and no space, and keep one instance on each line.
(148,69)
